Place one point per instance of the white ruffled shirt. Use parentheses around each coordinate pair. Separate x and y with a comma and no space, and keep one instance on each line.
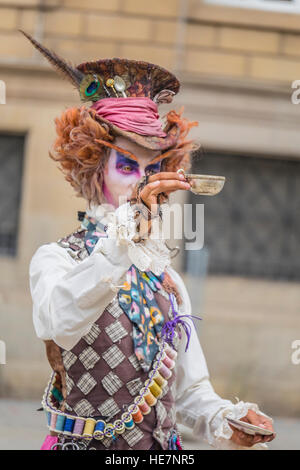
(68,295)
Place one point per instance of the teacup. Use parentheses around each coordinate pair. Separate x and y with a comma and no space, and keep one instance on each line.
(204,185)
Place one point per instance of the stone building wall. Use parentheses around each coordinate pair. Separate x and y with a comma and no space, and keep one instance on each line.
(236,68)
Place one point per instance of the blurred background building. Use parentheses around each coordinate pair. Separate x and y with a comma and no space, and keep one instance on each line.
(237,61)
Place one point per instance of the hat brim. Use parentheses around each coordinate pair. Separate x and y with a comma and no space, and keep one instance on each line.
(148,142)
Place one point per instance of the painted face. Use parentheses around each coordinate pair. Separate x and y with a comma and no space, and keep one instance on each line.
(122,172)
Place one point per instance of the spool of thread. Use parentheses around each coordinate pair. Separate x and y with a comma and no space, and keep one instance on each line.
(159,356)
(147,382)
(68,426)
(171,352)
(149,397)
(136,414)
(48,416)
(164,371)
(78,427)
(99,429)
(167,361)
(128,421)
(155,389)
(109,430)
(89,428)
(143,405)
(57,395)
(163,346)
(119,426)
(53,421)
(60,422)
(159,379)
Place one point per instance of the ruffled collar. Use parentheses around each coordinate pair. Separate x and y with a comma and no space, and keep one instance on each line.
(120,224)
(99,211)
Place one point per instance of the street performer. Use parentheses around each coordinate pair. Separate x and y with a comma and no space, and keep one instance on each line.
(114,315)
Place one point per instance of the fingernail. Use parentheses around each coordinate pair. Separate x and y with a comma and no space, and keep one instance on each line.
(156,183)
(181,176)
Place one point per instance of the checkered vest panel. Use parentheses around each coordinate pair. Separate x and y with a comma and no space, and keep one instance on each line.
(103,375)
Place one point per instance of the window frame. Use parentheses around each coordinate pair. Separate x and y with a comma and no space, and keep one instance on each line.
(263,5)
(243,167)
(9,240)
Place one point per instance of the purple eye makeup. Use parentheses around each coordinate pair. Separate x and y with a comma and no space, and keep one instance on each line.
(128,166)
(151,169)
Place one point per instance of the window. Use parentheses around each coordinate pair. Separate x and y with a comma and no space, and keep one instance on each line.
(286,6)
(252,228)
(11,169)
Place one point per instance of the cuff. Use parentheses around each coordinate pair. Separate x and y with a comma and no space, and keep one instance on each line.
(223,432)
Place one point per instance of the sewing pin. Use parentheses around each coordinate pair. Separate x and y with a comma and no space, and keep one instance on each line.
(110,83)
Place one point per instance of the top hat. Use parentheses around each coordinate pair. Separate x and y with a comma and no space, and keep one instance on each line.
(121,78)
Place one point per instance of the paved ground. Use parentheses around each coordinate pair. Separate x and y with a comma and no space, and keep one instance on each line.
(21,427)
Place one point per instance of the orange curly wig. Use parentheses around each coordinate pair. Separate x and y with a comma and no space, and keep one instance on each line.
(82,158)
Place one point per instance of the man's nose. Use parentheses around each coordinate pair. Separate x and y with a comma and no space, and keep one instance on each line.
(138,175)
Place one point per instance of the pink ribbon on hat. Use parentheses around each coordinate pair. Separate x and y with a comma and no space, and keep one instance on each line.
(139,115)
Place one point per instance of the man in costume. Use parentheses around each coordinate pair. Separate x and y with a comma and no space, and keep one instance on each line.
(114,315)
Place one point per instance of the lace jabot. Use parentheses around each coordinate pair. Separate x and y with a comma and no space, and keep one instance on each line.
(151,254)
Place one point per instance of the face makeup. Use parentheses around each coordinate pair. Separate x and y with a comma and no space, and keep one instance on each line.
(122,172)
(126,166)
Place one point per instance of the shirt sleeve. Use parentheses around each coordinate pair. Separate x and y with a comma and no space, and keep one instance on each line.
(197,404)
(69,296)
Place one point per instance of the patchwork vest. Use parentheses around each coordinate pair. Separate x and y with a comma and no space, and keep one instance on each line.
(103,374)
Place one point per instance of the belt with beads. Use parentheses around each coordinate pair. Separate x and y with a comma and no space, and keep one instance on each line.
(89,428)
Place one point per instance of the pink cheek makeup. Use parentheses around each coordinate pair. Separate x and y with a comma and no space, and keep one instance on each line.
(107,194)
